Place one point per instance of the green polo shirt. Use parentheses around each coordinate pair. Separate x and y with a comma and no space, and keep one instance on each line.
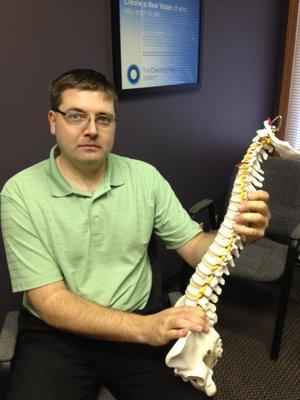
(97,243)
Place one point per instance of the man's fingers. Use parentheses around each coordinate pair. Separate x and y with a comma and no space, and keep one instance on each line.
(254,206)
(250,219)
(189,318)
(254,215)
(174,334)
(173,323)
(192,314)
(259,195)
(249,232)
(190,311)
(194,326)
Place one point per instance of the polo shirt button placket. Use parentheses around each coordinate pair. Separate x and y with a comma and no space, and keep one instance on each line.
(95,225)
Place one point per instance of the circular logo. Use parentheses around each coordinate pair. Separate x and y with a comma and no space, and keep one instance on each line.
(133,74)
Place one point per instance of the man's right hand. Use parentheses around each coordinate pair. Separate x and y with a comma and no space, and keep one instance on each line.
(174,323)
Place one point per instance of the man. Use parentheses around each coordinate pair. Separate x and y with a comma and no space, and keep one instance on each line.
(76,229)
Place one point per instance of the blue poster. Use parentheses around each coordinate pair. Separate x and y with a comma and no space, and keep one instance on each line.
(159,42)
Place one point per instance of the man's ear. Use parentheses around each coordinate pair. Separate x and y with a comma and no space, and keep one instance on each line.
(52,121)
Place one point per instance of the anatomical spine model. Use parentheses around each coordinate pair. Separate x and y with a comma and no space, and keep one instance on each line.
(194,356)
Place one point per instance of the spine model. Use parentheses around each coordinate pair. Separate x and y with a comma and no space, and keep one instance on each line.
(204,289)
(194,356)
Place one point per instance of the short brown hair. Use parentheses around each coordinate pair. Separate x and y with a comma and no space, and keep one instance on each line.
(82,79)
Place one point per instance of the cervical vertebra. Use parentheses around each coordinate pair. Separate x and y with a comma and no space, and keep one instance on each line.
(194,356)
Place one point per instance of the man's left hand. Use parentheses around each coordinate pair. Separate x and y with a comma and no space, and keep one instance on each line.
(253,217)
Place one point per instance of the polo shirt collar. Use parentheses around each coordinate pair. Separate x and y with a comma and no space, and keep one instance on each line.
(59,187)
(114,174)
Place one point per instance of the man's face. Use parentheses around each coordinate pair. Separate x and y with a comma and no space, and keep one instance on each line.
(83,145)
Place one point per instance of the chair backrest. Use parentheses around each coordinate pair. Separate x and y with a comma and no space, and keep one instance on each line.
(282,181)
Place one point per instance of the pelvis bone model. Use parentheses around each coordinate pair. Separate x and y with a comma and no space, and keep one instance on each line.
(194,356)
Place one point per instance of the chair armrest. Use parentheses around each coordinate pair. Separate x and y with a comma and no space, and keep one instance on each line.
(294,236)
(296,233)
(8,336)
(174,297)
(202,205)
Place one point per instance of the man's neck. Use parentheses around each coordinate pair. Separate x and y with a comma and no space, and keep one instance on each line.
(86,178)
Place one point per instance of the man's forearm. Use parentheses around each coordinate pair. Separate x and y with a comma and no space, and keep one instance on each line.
(66,311)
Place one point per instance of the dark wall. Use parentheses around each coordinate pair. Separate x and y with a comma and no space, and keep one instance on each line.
(193,137)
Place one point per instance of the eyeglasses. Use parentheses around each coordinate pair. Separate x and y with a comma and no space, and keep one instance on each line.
(81,119)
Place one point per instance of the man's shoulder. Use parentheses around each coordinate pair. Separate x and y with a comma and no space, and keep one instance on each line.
(32,177)
(133,165)
(137,172)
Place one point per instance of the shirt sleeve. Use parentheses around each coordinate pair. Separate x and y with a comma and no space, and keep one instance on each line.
(172,222)
(29,261)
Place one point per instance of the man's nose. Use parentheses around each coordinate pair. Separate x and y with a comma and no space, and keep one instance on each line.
(91,128)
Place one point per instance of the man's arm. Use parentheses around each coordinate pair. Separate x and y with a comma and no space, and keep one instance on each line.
(64,310)
(194,250)
(251,222)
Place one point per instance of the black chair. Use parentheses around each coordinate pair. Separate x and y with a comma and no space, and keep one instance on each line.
(274,257)
(8,339)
